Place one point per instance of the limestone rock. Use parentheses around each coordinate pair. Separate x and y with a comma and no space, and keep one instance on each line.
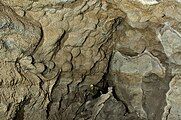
(136,77)
(90,59)
(170,40)
(173,98)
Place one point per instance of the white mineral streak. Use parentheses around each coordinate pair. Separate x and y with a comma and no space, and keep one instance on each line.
(148,2)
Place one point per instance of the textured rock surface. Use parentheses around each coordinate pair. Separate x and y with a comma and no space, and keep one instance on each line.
(90,59)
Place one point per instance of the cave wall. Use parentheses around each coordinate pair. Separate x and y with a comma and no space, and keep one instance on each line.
(90,60)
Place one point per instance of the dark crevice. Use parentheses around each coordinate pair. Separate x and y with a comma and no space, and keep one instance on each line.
(48,109)
(19,115)
(60,103)
(168,113)
(102,86)
(59,44)
(9,106)
(40,42)
(51,97)
(106,83)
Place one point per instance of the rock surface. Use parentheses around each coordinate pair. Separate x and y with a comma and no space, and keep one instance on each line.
(90,59)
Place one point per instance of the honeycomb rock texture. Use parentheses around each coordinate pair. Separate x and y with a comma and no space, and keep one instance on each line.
(90,60)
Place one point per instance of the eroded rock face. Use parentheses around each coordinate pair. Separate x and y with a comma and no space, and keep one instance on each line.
(90,59)
(138,81)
